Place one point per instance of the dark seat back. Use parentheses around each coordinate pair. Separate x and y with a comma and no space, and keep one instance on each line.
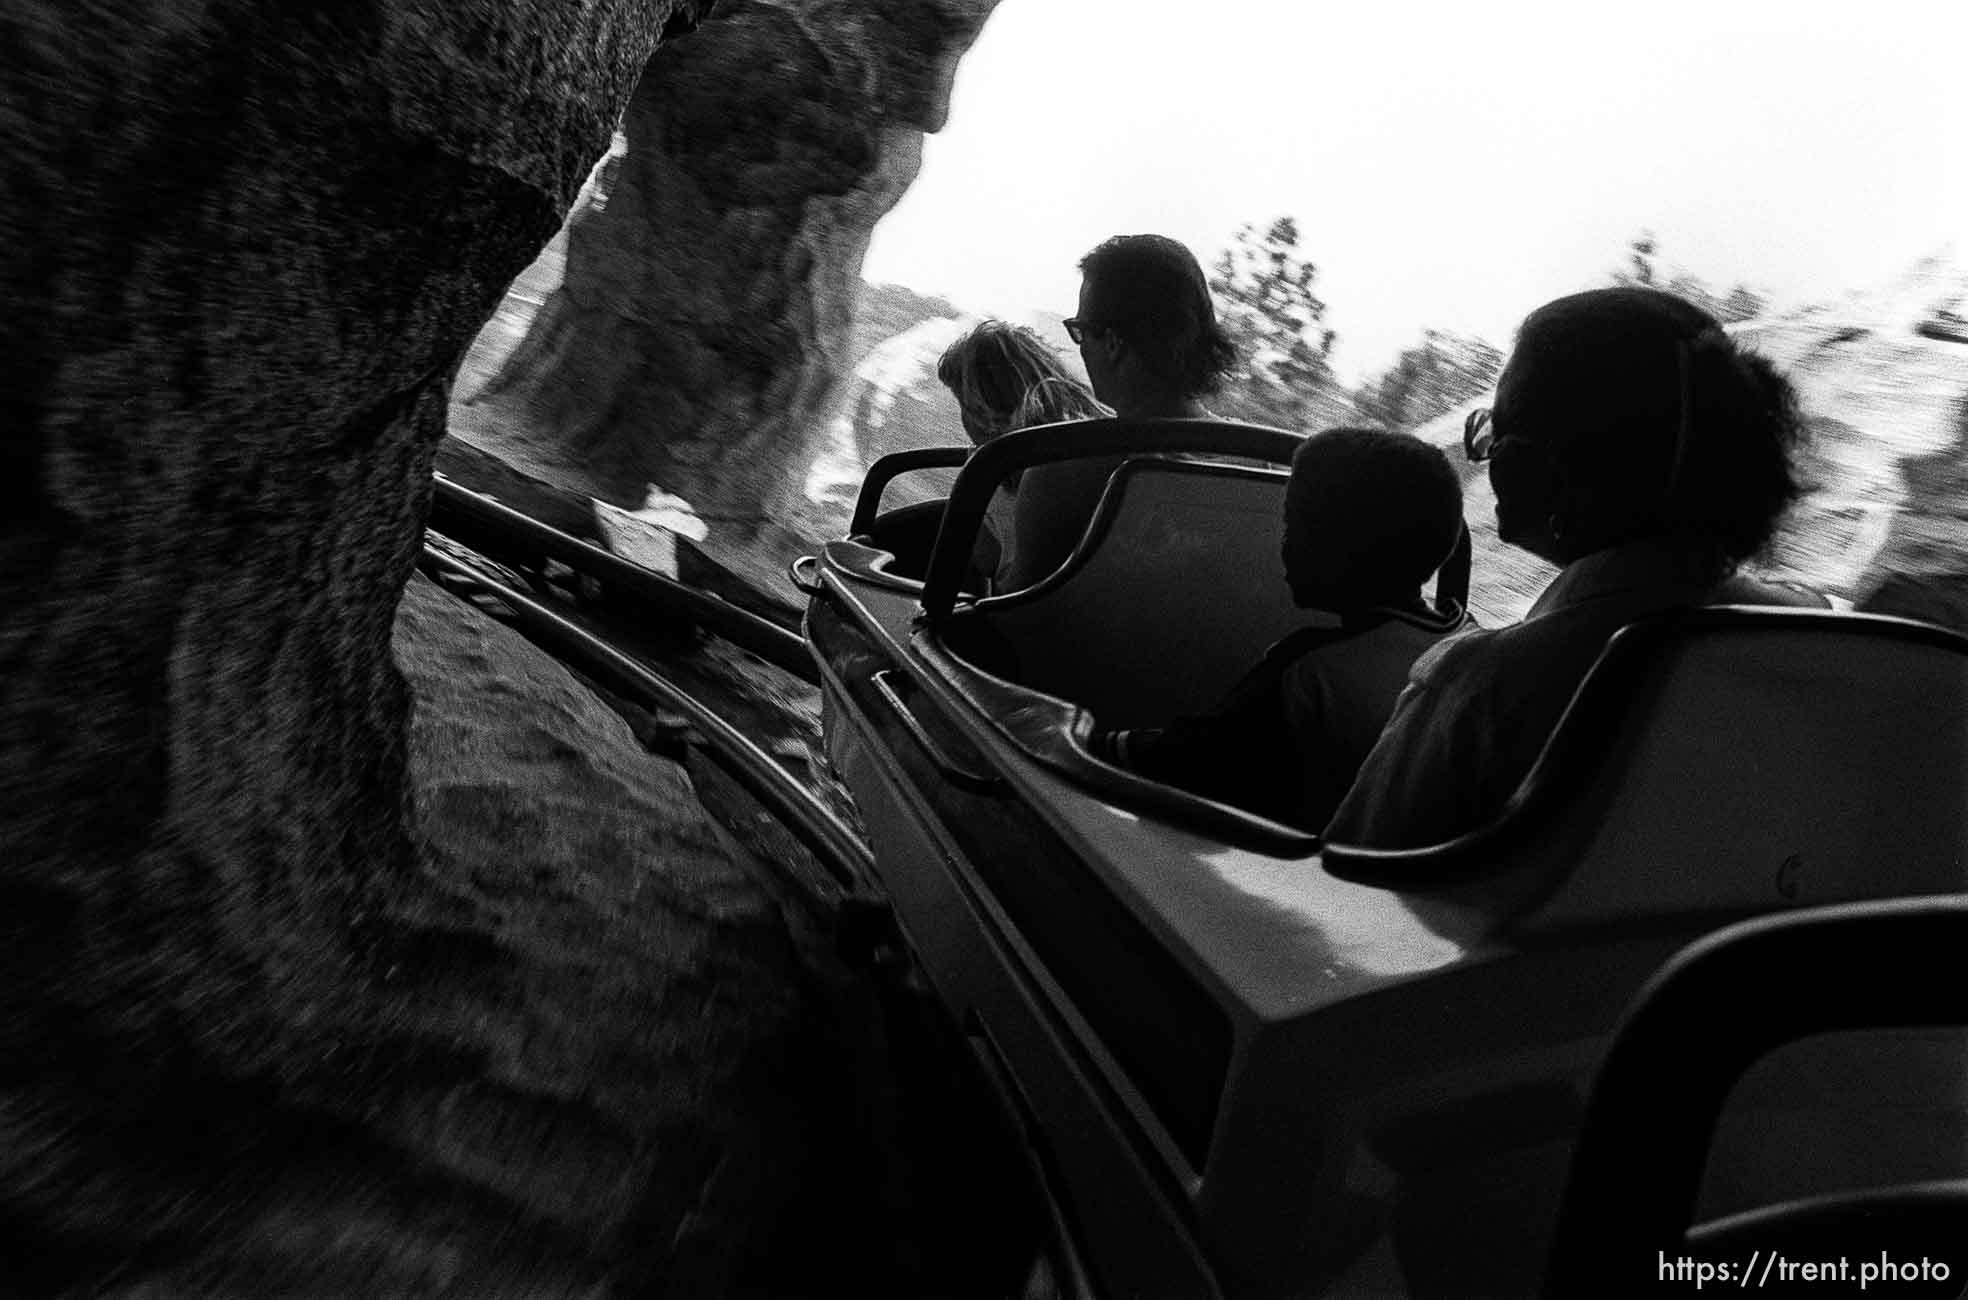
(1712,1011)
(1175,590)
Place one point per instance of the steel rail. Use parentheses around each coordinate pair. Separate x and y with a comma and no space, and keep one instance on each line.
(840,852)
(764,638)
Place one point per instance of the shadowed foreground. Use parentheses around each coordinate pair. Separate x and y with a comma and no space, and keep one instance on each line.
(342,955)
(611,1057)
(753,1120)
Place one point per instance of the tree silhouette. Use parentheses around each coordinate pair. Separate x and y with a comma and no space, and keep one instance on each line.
(1263,287)
(1736,304)
(1641,253)
(1429,378)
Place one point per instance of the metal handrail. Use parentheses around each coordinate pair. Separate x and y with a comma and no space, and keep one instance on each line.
(838,849)
(764,638)
(867,505)
(1717,1007)
(1045,444)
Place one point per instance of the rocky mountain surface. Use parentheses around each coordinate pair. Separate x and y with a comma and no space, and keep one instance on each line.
(348,947)
(705,308)
(245,245)
(1884,377)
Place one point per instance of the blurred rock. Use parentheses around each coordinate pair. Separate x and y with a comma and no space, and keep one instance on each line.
(1888,458)
(704,314)
(244,245)
(635,1002)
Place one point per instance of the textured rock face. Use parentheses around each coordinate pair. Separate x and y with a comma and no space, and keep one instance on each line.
(244,244)
(1886,521)
(705,310)
(606,1053)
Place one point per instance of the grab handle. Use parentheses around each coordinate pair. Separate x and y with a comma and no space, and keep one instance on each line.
(949,767)
(804,573)
(1047,444)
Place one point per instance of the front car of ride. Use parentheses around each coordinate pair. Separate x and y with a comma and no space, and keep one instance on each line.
(1253,1064)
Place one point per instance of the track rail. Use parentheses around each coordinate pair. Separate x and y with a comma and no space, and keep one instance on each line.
(482,523)
(839,851)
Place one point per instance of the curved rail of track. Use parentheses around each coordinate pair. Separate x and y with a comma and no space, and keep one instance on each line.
(480,522)
(839,850)
(512,539)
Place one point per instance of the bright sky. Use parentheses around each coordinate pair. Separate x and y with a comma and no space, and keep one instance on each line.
(1451,164)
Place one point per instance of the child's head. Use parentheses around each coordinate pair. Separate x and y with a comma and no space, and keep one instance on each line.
(1369,516)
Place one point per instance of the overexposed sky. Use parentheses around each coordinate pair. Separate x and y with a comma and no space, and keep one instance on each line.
(1449,164)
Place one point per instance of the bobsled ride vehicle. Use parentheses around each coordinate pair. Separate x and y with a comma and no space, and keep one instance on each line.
(1253,1063)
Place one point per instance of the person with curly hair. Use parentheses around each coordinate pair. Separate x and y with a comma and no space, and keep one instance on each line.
(1635,445)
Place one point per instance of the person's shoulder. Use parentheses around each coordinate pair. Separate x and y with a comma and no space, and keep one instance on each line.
(1460,652)
(1741,589)
(1305,642)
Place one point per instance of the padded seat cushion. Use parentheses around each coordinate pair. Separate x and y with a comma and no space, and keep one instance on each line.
(1798,762)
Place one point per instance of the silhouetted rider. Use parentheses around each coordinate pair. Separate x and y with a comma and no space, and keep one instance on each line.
(1147,331)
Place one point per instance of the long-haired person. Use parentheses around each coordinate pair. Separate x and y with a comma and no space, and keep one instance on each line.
(1005,377)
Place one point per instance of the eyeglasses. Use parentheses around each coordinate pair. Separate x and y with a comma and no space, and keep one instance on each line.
(1077,329)
(1479,434)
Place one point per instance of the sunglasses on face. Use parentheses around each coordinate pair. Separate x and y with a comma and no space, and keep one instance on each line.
(1080,330)
(1479,434)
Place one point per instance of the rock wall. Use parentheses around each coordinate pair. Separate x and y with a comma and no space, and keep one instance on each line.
(244,244)
(1886,520)
(705,309)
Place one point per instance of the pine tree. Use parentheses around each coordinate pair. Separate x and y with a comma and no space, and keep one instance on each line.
(1263,287)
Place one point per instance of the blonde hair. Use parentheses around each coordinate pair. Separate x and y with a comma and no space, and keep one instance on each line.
(1005,377)
(1053,399)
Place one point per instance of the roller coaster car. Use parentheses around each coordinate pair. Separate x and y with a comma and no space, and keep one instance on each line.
(1255,1064)
(1717,1008)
